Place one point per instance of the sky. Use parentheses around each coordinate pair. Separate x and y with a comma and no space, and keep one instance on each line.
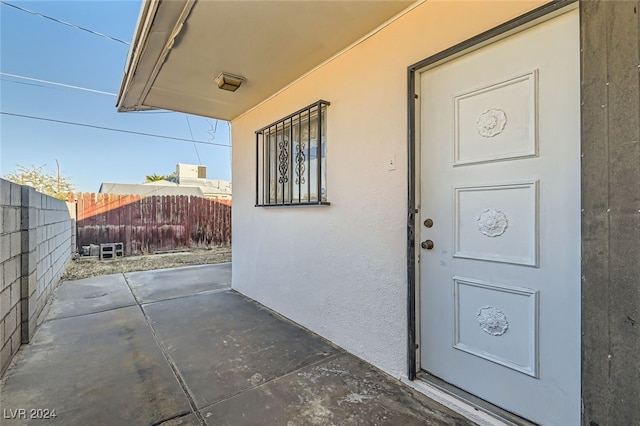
(40,48)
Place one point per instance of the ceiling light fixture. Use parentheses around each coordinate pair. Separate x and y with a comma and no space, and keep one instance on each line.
(229,82)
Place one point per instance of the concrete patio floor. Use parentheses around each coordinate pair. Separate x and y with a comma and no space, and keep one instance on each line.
(179,347)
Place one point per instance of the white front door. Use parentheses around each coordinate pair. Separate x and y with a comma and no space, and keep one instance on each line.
(500,222)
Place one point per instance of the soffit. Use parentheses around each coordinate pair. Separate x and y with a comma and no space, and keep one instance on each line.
(270,43)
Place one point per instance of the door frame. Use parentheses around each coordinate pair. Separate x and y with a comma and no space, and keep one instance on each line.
(504,30)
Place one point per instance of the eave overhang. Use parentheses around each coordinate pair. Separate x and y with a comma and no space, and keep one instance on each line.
(181,46)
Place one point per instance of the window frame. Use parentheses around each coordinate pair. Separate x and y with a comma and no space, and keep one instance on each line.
(286,171)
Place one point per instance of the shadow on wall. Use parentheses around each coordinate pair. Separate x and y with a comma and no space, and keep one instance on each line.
(153,223)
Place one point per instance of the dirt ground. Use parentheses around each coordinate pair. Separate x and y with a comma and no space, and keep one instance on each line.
(85,267)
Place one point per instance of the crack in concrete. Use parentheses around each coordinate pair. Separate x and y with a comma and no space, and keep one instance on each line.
(164,421)
(113,308)
(218,290)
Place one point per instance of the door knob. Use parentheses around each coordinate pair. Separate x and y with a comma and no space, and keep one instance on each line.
(427,244)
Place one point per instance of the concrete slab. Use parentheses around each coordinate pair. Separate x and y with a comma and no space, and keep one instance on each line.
(104,368)
(162,284)
(96,360)
(340,390)
(223,344)
(90,295)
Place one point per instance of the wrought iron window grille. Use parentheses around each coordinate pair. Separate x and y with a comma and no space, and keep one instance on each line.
(291,159)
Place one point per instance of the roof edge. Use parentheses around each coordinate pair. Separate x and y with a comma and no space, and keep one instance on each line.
(140,34)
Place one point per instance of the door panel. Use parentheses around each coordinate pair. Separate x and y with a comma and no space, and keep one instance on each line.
(500,169)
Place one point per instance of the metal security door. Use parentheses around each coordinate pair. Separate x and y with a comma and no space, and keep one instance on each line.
(499,267)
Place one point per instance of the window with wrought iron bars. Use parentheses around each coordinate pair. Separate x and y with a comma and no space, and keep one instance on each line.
(291,159)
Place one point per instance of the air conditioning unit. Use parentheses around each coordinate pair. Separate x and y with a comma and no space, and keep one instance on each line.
(191,171)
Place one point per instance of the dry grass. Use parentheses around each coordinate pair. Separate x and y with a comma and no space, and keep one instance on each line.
(86,267)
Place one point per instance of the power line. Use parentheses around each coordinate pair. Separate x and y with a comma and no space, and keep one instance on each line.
(191,133)
(212,129)
(22,82)
(69,86)
(64,23)
(71,123)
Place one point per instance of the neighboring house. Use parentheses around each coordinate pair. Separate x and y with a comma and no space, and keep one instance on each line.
(191,175)
(448,190)
(189,180)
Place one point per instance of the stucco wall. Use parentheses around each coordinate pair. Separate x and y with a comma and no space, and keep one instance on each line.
(341,270)
(37,239)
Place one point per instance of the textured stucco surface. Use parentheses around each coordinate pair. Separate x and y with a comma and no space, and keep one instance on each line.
(341,270)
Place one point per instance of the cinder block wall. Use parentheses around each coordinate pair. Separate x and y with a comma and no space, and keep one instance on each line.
(10,271)
(37,236)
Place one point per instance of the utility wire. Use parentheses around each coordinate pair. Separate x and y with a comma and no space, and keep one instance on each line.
(22,82)
(64,23)
(69,86)
(212,129)
(71,123)
(194,145)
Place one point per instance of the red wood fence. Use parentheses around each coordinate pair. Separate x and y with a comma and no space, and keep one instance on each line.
(151,224)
